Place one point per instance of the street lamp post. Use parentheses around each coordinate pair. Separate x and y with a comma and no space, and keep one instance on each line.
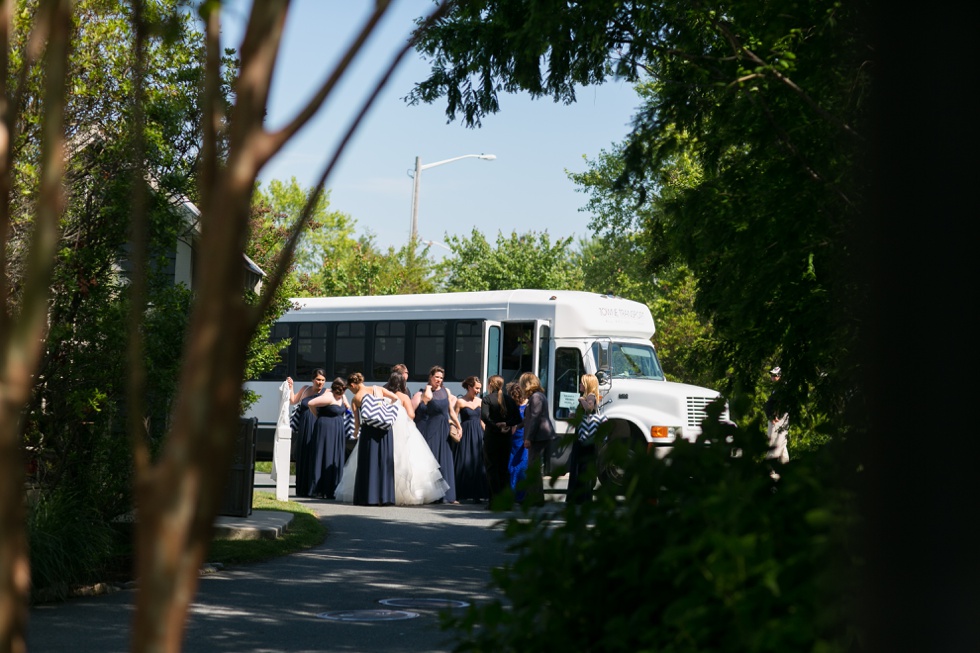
(418,177)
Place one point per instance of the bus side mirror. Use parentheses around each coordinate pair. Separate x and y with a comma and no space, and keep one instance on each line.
(602,376)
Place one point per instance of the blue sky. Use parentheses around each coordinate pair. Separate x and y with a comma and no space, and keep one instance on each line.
(525,188)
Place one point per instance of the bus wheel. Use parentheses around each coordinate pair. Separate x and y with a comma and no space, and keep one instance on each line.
(615,454)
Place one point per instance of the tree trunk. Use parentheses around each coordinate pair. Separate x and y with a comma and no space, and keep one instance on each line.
(22,330)
(177,494)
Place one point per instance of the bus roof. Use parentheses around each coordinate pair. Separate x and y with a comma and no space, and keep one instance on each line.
(571,313)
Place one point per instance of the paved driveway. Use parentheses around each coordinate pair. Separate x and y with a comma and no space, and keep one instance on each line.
(370,554)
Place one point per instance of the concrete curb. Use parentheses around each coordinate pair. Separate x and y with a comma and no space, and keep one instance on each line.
(261,524)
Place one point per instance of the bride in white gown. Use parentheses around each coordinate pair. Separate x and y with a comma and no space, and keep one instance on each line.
(418,479)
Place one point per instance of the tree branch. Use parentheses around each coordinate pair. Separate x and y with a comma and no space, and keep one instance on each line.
(248,140)
(9,108)
(136,388)
(285,257)
(803,95)
(21,340)
(279,138)
(212,113)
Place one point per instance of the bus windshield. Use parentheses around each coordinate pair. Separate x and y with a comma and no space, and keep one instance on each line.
(629,360)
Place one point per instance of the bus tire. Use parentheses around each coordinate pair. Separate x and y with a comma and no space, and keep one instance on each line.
(618,448)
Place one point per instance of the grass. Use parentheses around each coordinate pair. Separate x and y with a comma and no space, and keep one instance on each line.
(304,532)
(265,466)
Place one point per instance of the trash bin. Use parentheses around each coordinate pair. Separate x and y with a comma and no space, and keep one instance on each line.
(241,481)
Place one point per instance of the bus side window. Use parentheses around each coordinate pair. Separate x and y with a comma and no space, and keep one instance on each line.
(568,371)
(311,349)
(349,347)
(279,334)
(430,345)
(389,349)
(468,344)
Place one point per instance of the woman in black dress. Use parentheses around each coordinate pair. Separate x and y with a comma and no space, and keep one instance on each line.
(471,474)
(329,439)
(434,410)
(374,481)
(539,431)
(500,415)
(302,452)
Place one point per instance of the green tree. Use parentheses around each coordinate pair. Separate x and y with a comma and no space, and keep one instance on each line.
(75,418)
(528,260)
(330,233)
(266,233)
(364,270)
(177,485)
(628,257)
(769,100)
(745,165)
(332,260)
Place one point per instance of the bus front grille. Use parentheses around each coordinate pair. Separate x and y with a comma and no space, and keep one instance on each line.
(696,410)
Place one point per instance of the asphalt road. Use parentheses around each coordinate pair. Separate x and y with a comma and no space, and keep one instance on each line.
(441,552)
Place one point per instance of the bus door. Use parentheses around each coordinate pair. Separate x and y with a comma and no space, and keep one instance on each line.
(518,349)
(542,345)
(493,339)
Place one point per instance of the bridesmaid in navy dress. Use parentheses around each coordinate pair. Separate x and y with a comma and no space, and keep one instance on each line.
(329,439)
(374,481)
(303,437)
(433,412)
(471,474)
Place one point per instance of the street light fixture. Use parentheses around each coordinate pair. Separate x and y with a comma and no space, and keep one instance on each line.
(418,177)
(436,243)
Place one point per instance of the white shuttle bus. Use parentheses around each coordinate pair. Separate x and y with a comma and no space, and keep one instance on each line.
(557,334)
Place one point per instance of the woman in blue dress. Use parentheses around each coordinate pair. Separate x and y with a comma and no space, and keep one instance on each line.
(374,480)
(434,409)
(329,440)
(302,452)
(517,465)
(471,473)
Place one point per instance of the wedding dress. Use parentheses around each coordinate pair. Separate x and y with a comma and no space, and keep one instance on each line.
(418,479)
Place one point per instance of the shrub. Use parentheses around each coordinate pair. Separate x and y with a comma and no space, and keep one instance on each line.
(700,551)
(69,543)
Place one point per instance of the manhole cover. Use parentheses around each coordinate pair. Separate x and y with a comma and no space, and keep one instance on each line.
(431,604)
(368,615)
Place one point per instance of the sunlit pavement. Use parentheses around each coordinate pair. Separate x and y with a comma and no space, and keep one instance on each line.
(326,599)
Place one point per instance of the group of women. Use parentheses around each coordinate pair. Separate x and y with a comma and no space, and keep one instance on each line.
(434,447)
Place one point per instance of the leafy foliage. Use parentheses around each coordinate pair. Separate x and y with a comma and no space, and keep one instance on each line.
(767,102)
(746,170)
(701,552)
(331,260)
(74,421)
(70,542)
(527,260)
(267,231)
(365,270)
(330,233)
